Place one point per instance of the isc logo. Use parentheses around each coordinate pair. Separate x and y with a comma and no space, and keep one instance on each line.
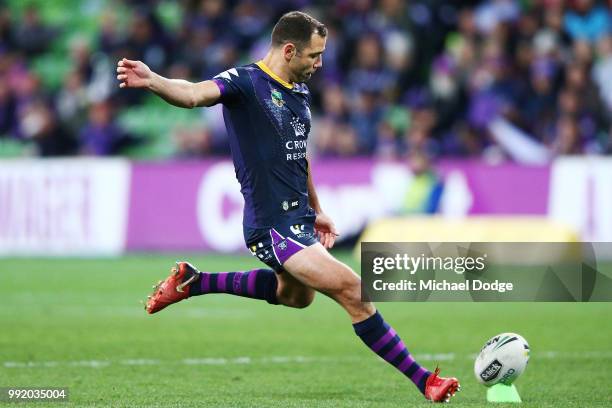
(290,205)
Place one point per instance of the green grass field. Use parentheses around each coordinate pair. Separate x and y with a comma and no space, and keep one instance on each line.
(78,323)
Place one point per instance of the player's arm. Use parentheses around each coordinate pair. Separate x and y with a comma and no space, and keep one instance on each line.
(178,92)
(324,226)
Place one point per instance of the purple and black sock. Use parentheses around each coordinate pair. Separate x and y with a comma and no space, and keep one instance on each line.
(255,284)
(384,341)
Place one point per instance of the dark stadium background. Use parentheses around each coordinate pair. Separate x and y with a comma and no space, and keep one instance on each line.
(398,77)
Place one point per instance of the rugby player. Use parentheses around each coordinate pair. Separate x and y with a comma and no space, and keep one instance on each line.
(267,115)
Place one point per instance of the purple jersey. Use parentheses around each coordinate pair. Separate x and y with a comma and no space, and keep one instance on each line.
(268,121)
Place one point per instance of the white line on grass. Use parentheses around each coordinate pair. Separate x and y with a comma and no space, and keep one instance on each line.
(542,355)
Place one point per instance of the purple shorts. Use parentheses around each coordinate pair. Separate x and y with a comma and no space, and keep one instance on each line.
(275,245)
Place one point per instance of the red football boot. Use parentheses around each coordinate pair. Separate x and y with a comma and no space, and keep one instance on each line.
(174,289)
(440,389)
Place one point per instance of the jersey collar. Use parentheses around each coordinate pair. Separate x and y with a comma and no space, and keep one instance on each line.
(268,71)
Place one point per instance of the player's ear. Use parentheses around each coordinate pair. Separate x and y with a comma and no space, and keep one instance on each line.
(289,51)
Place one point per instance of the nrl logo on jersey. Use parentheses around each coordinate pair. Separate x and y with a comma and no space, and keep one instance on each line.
(277,98)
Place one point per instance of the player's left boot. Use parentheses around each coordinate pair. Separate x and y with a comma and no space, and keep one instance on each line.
(174,289)
(440,389)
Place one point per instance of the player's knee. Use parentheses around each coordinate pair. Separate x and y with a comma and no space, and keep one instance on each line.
(299,300)
(304,301)
(350,293)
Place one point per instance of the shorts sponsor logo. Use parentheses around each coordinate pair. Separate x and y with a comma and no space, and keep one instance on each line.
(282,245)
(263,254)
(299,232)
(253,248)
(491,371)
(297,229)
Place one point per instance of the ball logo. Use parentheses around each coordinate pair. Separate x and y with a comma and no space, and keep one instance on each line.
(488,343)
(508,377)
(505,340)
(491,371)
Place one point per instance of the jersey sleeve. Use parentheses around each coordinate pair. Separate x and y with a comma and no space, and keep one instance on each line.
(231,85)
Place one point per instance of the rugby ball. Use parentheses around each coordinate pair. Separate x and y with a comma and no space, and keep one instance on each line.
(502,359)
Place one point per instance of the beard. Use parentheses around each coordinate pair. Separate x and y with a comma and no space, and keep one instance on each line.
(304,76)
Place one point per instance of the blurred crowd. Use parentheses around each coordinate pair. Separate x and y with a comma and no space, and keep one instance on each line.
(427,77)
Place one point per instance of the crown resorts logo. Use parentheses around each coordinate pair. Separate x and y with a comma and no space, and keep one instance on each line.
(298,127)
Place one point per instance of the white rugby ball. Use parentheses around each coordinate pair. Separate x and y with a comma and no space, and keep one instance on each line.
(502,359)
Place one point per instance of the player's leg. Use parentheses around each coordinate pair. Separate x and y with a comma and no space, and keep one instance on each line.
(315,267)
(259,283)
(264,284)
(318,269)
(293,293)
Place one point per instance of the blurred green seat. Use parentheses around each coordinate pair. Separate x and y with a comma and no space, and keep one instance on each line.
(154,121)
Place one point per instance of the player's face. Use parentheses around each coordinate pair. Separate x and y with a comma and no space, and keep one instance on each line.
(307,60)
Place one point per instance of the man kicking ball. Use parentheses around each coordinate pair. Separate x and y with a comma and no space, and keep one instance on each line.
(267,115)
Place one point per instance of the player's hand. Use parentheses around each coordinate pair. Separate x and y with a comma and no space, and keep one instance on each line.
(133,74)
(326,230)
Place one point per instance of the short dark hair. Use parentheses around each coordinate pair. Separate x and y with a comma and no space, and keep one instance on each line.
(296,27)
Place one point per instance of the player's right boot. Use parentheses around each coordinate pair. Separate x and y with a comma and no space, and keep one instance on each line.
(174,289)
(440,389)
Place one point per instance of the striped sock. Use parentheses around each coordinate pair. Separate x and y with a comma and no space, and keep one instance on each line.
(255,284)
(384,341)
